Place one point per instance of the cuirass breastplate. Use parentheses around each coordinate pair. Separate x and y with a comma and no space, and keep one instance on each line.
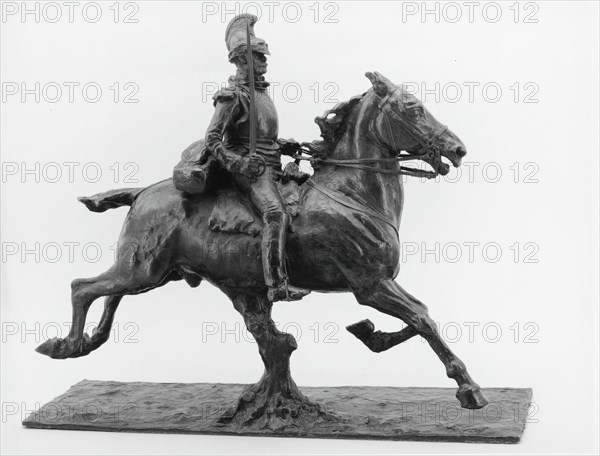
(267,125)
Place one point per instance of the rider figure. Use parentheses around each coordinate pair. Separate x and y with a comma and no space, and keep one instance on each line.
(227,139)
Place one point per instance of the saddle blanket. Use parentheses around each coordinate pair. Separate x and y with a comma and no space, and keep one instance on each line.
(233,213)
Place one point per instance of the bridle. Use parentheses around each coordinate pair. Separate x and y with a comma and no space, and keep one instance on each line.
(430,151)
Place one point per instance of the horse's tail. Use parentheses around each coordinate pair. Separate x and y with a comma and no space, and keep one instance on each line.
(111,199)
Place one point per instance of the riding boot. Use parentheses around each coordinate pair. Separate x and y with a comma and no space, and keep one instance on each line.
(273,244)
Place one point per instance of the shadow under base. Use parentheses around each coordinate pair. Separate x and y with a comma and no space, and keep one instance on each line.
(354,412)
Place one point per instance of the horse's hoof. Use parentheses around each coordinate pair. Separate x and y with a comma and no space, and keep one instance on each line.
(89,202)
(52,348)
(58,349)
(471,397)
(361,329)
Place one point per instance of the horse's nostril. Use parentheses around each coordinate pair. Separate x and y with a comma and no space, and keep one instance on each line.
(461,152)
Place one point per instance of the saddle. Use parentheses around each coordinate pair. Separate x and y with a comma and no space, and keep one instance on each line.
(198,172)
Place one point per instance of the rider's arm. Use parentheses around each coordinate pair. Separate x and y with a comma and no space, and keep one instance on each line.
(225,111)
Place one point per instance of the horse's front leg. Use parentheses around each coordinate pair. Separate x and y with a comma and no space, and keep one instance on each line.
(275,401)
(388,297)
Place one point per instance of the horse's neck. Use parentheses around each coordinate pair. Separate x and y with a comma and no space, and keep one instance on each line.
(380,191)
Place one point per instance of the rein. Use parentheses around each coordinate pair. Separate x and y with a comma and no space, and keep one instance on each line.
(357,164)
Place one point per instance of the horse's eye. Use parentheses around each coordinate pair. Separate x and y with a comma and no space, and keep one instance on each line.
(416,112)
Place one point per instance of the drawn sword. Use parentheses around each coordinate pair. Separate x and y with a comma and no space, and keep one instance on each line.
(252,138)
(252,93)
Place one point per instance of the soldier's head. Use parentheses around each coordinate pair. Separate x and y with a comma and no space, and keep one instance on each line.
(236,40)
(258,58)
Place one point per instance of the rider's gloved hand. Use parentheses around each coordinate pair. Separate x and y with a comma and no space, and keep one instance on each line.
(288,146)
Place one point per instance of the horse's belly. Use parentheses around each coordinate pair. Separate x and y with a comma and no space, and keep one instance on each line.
(228,259)
(236,260)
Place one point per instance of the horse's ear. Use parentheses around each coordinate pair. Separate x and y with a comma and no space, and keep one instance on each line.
(373,77)
(381,84)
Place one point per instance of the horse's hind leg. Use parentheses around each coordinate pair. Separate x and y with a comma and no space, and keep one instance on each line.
(113,283)
(102,332)
(388,297)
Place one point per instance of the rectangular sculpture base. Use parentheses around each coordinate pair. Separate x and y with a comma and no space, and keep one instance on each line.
(366,412)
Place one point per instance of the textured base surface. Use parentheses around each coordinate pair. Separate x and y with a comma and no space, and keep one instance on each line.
(363,412)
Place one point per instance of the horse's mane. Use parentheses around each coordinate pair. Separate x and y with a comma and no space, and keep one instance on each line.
(333,123)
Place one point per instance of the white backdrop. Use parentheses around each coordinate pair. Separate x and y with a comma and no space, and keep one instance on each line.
(107,95)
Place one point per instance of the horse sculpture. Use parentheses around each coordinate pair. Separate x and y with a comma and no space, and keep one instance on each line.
(344,239)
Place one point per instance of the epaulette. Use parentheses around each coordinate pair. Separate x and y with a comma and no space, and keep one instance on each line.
(225,94)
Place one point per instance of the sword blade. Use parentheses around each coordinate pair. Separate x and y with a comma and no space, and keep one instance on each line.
(252,94)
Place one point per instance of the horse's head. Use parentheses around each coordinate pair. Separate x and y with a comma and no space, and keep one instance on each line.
(404,124)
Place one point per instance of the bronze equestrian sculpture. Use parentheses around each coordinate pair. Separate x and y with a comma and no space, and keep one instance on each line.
(342,235)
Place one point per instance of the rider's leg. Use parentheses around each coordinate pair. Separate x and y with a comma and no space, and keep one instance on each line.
(266,199)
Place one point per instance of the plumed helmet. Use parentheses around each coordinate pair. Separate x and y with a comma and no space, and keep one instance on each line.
(235,36)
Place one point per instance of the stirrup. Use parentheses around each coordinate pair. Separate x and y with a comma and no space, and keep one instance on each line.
(286,292)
